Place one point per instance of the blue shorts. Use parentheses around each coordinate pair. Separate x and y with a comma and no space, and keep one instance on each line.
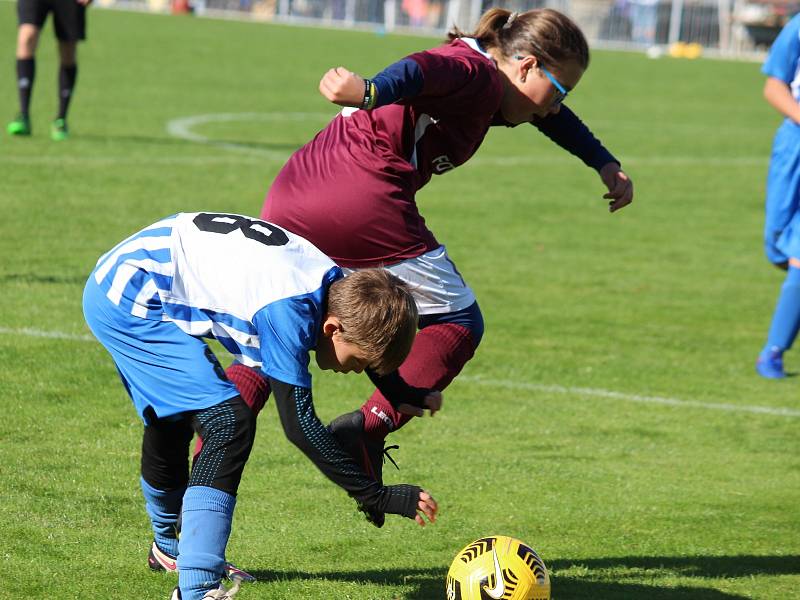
(782,227)
(162,367)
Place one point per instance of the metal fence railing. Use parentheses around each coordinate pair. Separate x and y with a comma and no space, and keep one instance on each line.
(726,27)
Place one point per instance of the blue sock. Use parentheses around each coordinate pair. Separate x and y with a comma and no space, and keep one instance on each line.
(786,319)
(163,509)
(207,517)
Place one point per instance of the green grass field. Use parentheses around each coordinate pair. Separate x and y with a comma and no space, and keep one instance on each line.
(611,418)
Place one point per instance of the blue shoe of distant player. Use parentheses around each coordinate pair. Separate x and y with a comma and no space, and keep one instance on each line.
(770,364)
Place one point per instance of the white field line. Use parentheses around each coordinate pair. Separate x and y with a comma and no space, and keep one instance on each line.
(106,160)
(259,156)
(184,128)
(513,385)
(52,335)
(611,395)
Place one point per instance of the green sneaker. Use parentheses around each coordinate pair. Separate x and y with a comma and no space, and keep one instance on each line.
(58,130)
(19,126)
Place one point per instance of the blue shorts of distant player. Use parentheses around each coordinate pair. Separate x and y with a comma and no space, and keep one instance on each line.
(161,366)
(782,227)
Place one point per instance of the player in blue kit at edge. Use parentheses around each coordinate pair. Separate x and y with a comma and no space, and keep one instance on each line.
(782,227)
(152,298)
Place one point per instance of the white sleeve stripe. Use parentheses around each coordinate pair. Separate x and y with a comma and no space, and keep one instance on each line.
(240,337)
(168,222)
(121,279)
(247,361)
(140,304)
(194,328)
(126,271)
(143,243)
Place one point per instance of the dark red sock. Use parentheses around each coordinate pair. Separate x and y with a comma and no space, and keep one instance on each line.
(253,388)
(252,385)
(437,356)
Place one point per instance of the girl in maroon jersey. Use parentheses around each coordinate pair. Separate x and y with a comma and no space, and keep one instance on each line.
(351,190)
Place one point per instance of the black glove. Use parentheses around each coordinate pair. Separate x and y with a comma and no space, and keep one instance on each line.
(401,499)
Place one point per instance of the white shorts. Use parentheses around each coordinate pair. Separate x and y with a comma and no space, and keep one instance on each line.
(435,282)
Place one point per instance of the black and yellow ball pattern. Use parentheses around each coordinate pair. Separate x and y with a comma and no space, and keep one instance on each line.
(498,568)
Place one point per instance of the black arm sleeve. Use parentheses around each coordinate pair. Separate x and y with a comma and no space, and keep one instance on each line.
(397,391)
(304,429)
(569,132)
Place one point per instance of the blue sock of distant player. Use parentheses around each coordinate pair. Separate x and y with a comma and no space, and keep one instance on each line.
(26,71)
(163,508)
(786,319)
(66,83)
(207,517)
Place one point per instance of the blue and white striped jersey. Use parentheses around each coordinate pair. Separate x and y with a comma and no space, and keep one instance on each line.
(255,287)
(783,61)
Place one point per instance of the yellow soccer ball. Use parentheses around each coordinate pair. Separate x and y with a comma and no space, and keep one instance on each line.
(498,568)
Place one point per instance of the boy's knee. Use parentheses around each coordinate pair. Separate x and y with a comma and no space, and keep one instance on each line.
(165,442)
(228,430)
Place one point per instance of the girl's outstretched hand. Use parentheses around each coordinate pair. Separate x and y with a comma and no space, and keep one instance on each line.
(342,87)
(620,186)
(426,507)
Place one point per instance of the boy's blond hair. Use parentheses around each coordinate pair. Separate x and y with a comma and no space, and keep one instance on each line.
(378,314)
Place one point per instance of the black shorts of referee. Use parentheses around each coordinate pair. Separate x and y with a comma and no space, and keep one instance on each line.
(69,17)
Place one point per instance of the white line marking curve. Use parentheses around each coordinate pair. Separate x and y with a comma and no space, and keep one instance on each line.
(776,411)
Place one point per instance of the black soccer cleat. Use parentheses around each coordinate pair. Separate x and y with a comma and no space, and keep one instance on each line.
(348,429)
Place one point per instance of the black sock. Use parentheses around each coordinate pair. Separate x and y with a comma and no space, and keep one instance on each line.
(26,70)
(66,83)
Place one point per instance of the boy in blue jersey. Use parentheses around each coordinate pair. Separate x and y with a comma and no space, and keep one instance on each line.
(782,227)
(153,297)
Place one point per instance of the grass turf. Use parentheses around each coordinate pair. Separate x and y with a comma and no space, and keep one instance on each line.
(672,488)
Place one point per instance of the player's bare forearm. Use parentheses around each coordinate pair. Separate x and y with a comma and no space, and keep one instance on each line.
(342,87)
(620,186)
(779,95)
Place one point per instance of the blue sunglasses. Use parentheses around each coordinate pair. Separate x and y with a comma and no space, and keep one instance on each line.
(561,91)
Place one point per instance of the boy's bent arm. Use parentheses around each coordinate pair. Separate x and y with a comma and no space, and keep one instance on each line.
(304,429)
(779,95)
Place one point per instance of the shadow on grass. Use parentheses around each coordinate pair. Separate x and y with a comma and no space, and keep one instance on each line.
(579,589)
(692,566)
(429,583)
